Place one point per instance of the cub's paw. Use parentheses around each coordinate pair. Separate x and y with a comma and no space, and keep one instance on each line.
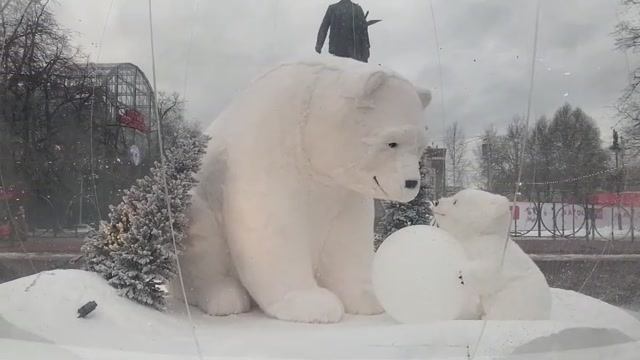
(315,305)
(225,297)
(362,302)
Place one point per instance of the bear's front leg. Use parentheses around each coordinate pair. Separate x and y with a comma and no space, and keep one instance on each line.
(271,254)
(206,266)
(345,263)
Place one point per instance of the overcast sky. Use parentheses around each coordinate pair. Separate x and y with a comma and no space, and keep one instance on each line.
(485,48)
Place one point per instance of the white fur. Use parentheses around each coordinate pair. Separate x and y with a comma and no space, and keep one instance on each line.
(480,221)
(283,213)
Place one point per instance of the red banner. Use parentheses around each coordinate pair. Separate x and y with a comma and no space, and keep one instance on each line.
(9,194)
(515,212)
(132,119)
(5,230)
(610,199)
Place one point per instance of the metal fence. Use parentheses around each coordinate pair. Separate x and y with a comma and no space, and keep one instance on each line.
(590,221)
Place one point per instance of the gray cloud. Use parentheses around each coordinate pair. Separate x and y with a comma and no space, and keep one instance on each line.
(485,50)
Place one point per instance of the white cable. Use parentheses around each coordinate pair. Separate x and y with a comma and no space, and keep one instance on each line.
(2,184)
(573,179)
(521,165)
(526,129)
(624,51)
(12,222)
(353,27)
(577,178)
(91,112)
(3,6)
(606,247)
(4,35)
(440,75)
(189,46)
(166,187)
(627,65)
(595,266)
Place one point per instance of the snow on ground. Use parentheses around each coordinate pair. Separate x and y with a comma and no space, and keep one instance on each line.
(38,320)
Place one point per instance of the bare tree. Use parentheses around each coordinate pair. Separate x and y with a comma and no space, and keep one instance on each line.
(458,164)
(538,158)
(499,157)
(171,108)
(43,92)
(577,150)
(627,36)
(515,143)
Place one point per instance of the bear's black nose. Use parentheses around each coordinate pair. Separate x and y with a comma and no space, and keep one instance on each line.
(436,203)
(410,184)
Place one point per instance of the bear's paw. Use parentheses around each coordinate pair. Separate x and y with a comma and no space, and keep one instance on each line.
(226,297)
(362,302)
(316,305)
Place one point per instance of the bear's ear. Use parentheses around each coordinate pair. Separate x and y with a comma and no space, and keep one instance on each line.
(361,86)
(425,97)
(365,87)
(372,84)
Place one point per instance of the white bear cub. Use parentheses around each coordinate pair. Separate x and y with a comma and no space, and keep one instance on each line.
(283,214)
(516,290)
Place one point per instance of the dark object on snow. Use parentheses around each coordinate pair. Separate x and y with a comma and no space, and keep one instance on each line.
(349,36)
(87,308)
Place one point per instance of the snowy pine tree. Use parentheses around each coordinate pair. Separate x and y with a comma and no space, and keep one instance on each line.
(397,215)
(134,250)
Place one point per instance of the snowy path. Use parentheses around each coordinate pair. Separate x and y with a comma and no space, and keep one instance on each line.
(38,320)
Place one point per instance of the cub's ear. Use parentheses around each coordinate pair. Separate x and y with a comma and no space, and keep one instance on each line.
(425,97)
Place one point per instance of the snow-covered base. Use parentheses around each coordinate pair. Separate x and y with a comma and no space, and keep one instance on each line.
(38,321)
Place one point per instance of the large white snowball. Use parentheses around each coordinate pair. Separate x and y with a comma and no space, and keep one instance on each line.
(417,275)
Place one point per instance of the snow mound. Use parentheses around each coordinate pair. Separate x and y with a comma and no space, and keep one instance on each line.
(38,319)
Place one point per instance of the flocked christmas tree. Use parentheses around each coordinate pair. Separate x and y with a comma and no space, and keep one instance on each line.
(397,215)
(134,250)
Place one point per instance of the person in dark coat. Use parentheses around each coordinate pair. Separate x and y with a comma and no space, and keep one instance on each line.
(349,36)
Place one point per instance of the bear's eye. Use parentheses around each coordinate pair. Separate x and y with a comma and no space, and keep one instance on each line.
(455,202)
(392,145)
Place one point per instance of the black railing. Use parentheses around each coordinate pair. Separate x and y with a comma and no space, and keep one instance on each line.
(570,220)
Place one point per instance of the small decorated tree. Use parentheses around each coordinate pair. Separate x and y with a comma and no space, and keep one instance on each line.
(396,215)
(134,250)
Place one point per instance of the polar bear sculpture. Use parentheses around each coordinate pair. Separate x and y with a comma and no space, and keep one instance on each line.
(283,213)
(516,290)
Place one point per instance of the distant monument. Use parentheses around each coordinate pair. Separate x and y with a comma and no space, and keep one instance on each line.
(349,36)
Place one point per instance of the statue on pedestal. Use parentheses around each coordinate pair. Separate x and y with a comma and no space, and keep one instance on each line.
(349,35)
